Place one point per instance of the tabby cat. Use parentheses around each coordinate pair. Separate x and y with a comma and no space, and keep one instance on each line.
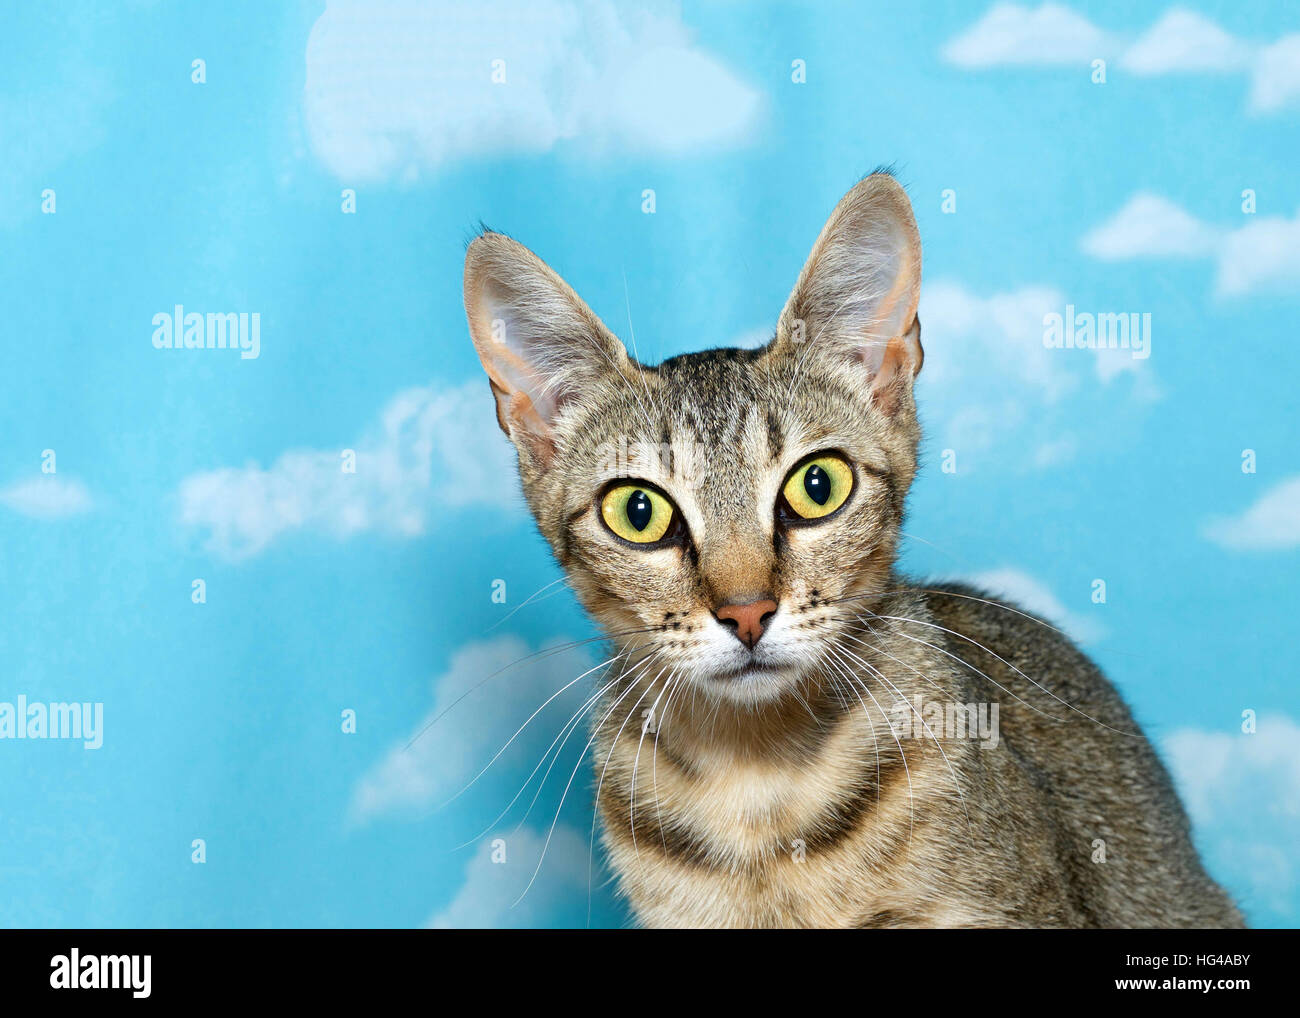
(792,734)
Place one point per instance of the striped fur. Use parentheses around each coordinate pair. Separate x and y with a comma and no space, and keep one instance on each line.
(782,787)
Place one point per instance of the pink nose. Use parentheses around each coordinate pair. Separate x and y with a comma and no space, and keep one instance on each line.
(748,620)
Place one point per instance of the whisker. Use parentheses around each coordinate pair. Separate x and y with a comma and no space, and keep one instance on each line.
(654,760)
(1039,685)
(883,678)
(520,729)
(930,544)
(949,593)
(642,666)
(861,642)
(569,784)
(527,601)
(637,760)
(627,300)
(961,660)
(875,742)
(563,733)
(857,683)
(595,813)
(544,653)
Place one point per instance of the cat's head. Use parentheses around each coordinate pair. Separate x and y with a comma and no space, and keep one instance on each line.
(717,509)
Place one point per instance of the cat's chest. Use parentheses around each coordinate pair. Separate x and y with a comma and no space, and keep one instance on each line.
(755,846)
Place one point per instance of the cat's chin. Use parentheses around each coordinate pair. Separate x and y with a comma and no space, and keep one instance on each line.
(749,684)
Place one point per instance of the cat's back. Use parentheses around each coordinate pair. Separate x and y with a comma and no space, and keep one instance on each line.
(1119,829)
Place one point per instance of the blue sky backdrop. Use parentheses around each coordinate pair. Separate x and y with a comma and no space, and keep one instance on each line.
(1160,181)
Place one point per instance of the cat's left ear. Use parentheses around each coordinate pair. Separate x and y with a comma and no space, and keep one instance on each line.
(857,294)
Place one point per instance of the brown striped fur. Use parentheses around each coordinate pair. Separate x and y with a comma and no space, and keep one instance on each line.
(767,788)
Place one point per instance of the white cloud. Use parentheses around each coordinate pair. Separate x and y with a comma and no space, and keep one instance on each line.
(1275,84)
(1180,42)
(1009,34)
(430,448)
(397,89)
(1243,794)
(754,339)
(56,117)
(1150,226)
(1000,334)
(438,759)
(1034,596)
(989,378)
(1112,363)
(1055,451)
(1262,256)
(46,497)
(1271,524)
(1183,40)
(487,898)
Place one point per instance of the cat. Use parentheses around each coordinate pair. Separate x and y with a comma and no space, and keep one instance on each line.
(731,519)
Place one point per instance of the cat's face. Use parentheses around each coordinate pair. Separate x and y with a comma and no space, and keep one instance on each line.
(713,513)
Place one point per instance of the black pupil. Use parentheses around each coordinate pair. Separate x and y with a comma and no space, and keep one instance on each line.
(639,509)
(817,483)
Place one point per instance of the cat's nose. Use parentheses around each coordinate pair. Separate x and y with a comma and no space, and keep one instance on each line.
(747,621)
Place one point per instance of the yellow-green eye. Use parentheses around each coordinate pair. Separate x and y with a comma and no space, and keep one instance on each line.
(637,514)
(818,487)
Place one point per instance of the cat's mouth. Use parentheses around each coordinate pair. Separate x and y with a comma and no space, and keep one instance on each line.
(752,669)
(750,682)
(722,664)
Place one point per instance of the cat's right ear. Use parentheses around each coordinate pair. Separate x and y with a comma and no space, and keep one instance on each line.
(539,343)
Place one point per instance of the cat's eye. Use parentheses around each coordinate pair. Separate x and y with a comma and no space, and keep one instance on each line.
(638,513)
(817,487)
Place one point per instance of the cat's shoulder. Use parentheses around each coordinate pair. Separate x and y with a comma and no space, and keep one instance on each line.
(1009,627)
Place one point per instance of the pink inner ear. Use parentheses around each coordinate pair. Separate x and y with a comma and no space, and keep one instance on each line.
(528,427)
(539,343)
(511,365)
(865,289)
(527,383)
(895,310)
(872,354)
(901,360)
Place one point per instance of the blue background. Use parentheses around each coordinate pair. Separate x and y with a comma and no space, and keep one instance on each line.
(373,592)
